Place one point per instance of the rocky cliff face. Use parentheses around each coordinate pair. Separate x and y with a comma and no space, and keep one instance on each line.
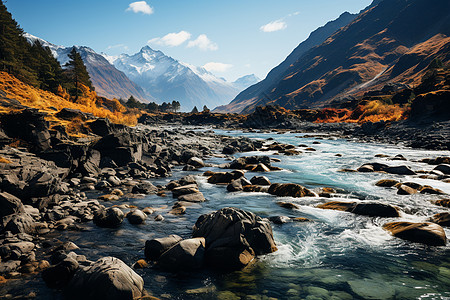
(375,48)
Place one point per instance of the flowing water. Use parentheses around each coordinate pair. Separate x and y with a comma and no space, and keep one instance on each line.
(338,255)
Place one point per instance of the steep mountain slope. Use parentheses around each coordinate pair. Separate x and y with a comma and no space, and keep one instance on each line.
(316,38)
(168,79)
(107,80)
(365,51)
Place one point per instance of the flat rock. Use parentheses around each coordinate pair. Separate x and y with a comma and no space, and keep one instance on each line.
(426,233)
(289,190)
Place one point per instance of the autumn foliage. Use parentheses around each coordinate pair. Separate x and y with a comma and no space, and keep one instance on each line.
(50,103)
(372,111)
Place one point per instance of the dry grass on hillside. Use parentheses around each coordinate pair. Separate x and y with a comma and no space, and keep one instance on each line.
(51,103)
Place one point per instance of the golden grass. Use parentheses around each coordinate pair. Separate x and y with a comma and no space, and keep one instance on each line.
(45,101)
(4,160)
(373,111)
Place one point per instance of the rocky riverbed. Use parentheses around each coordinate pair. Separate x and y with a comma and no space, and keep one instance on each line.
(134,212)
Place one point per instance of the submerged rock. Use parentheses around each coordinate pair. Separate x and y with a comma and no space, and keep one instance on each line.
(111,217)
(289,190)
(425,233)
(366,209)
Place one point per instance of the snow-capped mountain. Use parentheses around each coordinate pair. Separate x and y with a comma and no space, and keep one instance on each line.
(167,79)
(107,80)
(246,81)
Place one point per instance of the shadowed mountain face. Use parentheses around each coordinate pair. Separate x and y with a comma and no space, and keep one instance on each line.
(317,37)
(378,46)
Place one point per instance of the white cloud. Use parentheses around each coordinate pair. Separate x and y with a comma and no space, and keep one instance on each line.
(140,7)
(118,46)
(274,26)
(172,39)
(217,67)
(203,43)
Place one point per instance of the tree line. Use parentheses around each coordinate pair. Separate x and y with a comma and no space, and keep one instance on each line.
(34,64)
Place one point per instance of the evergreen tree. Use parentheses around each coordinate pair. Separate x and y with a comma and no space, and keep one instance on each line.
(152,106)
(206,109)
(133,103)
(176,106)
(77,73)
(194,110)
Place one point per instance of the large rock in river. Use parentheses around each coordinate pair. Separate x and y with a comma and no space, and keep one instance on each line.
(362,208)
(240,234)
(425,233)
(289,190)
(107,278)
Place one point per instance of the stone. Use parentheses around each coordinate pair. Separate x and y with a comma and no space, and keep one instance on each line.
(144,188)
(288,205)
(58,276)
(289,190)
(223,177)
(386,183)
(426,233)
(110,218)
(107,278)
(406,190)
(362,208)
(194,197)
(108,197)
(20,223)
(260,180)
(9,205)
(444,168)
(185,190)
(136,217)
(185,255)
(442,219)
(227,258)
(237,230)
(399,170)
(196,162)
(261,168)
(256,189)
(178,210)
(235,186)
(443,202)
(154,248)
(430,190)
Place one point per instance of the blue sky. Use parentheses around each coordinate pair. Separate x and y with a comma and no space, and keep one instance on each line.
(231,38)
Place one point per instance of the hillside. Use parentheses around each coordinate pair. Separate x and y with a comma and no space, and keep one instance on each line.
(393,41)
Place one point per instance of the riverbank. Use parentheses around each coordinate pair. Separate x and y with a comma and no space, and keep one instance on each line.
(68,204)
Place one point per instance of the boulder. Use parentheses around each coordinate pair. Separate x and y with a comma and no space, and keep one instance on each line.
(144,188)
(225,177)
(386,183)
(288,205)
(403,189)
(425,233)
(443,202)
(226,258)
(196,162)
(185,190)
(110,218)
(444,168)
(59,276)
(235,186)
(237,230)
(260,180)
(430,190)
(136,217)
(9,204)
(399,170)
(194,197)
(154,248)
(280,219)
(261,168)
(442,219)
(362,208)
(20,223)
(256,189)
(183,256)
(107,278)
(289,190)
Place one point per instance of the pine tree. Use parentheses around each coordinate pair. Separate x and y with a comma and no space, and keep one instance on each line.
(194,110)
(206,109)
(77,73)
(176,106)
